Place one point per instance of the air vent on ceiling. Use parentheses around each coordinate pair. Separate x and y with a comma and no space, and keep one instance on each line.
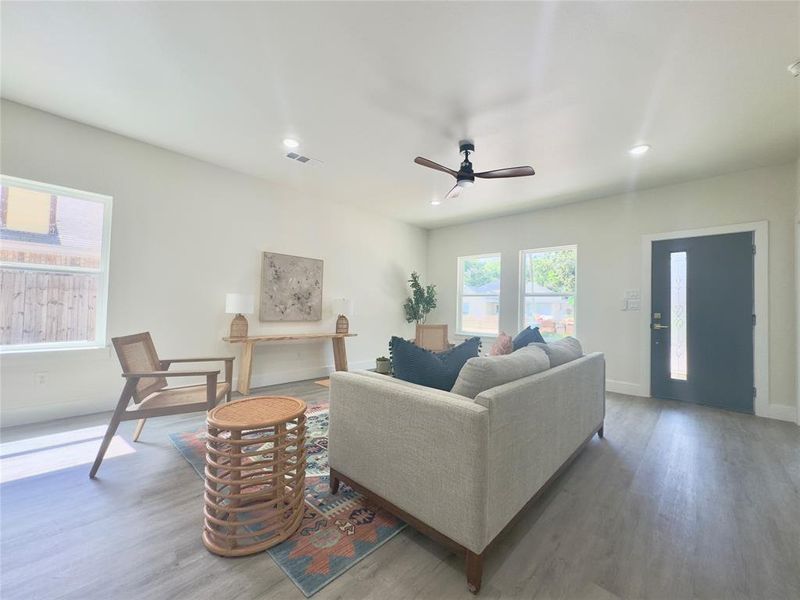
(303,159)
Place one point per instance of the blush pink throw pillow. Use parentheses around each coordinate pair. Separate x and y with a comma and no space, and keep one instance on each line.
(503,345)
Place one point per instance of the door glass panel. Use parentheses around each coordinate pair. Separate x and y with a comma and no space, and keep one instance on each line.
(677,316)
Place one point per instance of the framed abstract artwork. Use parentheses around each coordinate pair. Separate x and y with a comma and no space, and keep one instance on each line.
(291,288)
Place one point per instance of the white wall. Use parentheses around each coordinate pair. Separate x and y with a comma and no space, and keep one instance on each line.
(608,233)
(797,287)
(184,233)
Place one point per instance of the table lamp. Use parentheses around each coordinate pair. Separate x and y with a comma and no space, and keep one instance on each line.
(239,305)
(344,307)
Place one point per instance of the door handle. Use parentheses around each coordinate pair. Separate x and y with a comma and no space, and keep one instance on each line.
(659,326)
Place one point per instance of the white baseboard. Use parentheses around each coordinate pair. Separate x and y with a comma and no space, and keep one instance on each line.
(781,412)
(624,387)
(39,413)
(319,372)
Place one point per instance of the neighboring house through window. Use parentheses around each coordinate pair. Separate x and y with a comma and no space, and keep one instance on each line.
(478,294)
(548,284)
(54,250)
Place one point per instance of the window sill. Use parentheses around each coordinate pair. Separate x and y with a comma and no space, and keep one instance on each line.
(21,350)
(468,334)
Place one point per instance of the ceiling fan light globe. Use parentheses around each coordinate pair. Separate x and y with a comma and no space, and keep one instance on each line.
(465,183)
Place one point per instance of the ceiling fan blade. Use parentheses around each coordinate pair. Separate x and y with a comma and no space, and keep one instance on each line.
(432,165)
(454,193)
(510,172)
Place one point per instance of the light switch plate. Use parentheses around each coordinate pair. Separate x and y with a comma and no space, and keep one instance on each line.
(634,304)
(632,294)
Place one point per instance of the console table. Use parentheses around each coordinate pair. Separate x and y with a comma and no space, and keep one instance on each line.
(246,362)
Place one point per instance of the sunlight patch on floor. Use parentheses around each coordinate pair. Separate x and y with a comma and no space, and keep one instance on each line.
(48,453)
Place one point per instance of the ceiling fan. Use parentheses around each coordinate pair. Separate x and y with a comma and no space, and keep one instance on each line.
(465,176)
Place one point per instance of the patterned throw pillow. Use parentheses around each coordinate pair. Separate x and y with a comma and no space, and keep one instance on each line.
(527,336)
(503,345)
(432,369)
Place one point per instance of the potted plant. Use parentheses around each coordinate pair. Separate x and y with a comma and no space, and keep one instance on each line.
(383,365)
(421,302)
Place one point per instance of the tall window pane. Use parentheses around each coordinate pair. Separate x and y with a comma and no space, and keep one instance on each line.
(549,284)
(479,294)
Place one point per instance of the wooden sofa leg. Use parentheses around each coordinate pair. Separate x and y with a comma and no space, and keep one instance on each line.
(474,571)
(334,483)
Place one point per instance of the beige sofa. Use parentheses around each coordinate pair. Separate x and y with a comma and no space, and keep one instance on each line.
(455,468)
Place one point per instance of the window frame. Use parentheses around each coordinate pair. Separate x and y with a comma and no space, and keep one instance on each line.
(460,295)
(101,308)
(523,295)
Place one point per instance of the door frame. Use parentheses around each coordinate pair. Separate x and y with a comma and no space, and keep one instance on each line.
(760,229)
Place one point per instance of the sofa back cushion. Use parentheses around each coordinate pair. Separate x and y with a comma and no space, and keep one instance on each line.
(562,351)
(432,369)
(527,336)
(485,372)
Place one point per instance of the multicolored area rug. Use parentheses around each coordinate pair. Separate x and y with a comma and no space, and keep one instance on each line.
(336,531)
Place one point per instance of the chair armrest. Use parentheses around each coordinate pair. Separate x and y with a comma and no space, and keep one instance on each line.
(228,360)
(169,361)
(423,450)
(170,374)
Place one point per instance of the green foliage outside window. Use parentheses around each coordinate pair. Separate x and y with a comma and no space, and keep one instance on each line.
(554,269)
(480,271)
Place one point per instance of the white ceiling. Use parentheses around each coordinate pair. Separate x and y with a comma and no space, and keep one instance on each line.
(564,87)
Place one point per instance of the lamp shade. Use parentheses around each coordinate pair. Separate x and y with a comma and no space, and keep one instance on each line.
(236,304)
(342,306)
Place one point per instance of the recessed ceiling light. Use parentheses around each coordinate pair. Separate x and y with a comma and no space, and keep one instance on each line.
(291,143)
(639,149)
(436,202)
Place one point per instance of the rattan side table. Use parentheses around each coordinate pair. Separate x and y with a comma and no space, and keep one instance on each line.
(255,474)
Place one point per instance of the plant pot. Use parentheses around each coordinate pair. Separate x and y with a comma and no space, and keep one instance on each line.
(384,367)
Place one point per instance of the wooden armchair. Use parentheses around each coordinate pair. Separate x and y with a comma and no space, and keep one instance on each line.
(146,384)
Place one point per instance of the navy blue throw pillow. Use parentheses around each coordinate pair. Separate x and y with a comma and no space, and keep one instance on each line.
(527,336)
(432,369)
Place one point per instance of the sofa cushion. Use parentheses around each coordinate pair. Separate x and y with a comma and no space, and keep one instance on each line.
(561,351)
(485,372)
(432,369)
(527,336)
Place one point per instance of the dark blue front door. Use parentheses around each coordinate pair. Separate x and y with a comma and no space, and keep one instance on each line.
(701,339)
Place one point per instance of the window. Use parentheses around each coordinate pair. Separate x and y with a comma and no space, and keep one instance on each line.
(54,247)
(479,294)
(548,284)
(677,316)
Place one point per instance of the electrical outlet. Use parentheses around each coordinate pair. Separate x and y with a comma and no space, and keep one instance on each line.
(40,378)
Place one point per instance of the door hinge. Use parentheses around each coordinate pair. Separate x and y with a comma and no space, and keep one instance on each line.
(754,248)
(755,392)
(754,320)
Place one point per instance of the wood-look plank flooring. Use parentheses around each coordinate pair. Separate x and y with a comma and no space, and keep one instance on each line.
(678,501)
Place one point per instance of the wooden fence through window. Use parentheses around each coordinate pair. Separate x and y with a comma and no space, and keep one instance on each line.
(41,306)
